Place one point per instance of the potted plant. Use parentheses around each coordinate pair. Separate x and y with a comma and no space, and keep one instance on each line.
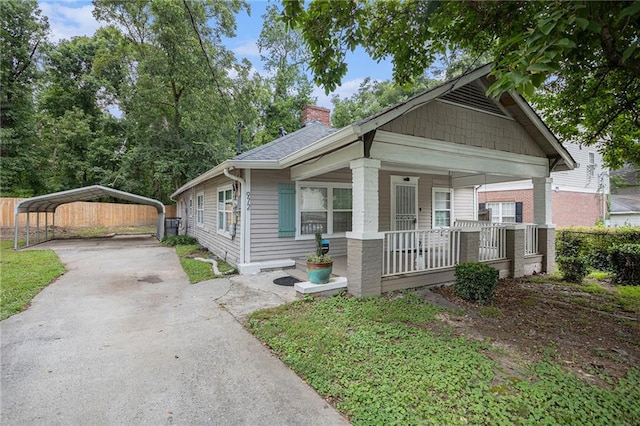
(319,264)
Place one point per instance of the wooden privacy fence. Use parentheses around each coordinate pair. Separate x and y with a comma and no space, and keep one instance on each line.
(83,214)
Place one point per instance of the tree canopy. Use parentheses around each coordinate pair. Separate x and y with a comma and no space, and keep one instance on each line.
(578,62)
(149,101)
(23,32)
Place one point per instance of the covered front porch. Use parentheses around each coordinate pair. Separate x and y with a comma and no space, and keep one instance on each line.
(401,251)
(415,169)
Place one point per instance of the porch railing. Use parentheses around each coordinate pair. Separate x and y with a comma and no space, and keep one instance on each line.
(531,239)
(414,251)
(493,241)
(489,237)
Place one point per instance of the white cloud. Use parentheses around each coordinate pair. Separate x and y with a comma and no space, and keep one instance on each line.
(248,48)
(347,89)
(69,19)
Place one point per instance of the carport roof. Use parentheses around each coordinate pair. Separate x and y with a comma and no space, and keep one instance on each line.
(50,202)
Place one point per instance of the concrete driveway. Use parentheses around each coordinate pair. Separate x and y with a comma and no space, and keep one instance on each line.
(122,338)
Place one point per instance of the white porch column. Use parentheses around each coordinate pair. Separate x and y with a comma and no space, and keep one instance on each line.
(364,242)
(364,172)
(542,217)
(542,200)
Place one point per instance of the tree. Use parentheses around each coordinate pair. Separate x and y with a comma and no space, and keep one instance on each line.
(584,57)
(72,130)
(283,54)
(23,32)
(374,96)
(177,99)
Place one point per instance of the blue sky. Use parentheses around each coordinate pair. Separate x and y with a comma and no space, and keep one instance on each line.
(69,18)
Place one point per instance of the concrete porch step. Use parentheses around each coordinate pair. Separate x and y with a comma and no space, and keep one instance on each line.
(335,284)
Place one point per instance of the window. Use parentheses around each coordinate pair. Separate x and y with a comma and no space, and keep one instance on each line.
(325,208)
(442,207)
(200,208)
(591,166)
(190,206)
(502,212)
(225,208)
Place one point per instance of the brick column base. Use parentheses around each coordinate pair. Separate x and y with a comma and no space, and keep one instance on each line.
(469,245)
(547,247)
(515,249)
(364,267)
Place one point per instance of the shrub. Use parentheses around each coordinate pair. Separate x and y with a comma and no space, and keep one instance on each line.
(625,262)
(573,269)
(178,240)
(570,258)
(594,244)
(475,282)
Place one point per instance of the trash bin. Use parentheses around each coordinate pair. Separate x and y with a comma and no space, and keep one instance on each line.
(171,225)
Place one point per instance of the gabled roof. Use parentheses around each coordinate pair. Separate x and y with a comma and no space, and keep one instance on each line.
(288,144)
(49,202)
(316,139)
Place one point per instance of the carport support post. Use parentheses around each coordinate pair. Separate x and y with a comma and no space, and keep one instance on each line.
(37,227)
(15,230)
(364,242)
(27,240)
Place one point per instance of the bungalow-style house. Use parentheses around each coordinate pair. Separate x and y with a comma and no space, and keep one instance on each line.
(579,196)
(396,192)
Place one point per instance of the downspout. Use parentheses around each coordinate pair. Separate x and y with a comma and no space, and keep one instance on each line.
(243,211)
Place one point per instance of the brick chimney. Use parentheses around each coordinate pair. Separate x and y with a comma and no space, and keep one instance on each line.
(313,113)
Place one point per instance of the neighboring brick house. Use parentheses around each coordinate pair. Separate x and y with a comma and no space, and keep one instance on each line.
(579,196)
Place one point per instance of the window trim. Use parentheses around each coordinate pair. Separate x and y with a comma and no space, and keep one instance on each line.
(433,206)
(199,218)
(329,186)
(501,203)
(591,164)
(223,189)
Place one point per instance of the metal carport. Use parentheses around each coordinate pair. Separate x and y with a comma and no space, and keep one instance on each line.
(49,203)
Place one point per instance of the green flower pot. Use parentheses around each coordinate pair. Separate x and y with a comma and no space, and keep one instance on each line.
(319,273)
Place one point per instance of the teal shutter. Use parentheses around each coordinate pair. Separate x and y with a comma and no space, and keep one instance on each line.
(286,210)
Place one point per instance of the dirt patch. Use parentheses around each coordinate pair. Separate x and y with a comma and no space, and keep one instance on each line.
(589,333)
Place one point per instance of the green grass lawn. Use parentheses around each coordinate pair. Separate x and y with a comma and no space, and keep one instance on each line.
(388,361)
(197,270)
(23,275)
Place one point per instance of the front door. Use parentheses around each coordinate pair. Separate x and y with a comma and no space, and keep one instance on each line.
(404,203)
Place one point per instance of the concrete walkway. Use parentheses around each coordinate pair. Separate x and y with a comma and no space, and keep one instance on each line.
(122,338)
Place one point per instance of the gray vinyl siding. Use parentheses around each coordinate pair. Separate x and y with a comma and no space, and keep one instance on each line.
(581,178)
(265,243)
(451,123)
(464,203)
(207,235)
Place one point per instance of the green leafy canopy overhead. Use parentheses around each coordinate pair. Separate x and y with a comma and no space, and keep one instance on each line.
(578,61)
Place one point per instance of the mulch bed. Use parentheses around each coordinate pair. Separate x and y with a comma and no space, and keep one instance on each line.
(532,319)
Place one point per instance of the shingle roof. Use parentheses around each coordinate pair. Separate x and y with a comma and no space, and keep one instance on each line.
(625,203)
(288,144)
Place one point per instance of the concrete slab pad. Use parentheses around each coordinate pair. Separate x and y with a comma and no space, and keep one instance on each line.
(123,338)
